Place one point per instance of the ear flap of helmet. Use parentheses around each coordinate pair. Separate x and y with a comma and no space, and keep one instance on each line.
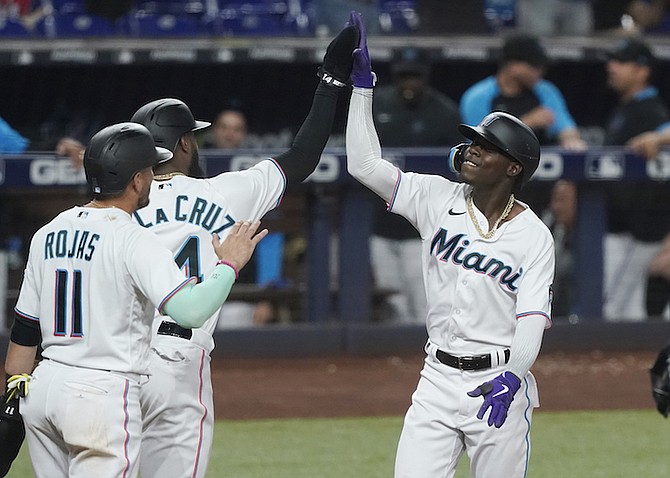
(457,156)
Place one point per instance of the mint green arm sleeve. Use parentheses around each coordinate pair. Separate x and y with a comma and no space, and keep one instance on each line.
(192,305)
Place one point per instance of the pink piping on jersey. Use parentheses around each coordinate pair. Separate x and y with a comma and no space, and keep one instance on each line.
(395,191)
(177,289)
(204,415)
(125,428)
(283,175)
(55,313)
(534,312)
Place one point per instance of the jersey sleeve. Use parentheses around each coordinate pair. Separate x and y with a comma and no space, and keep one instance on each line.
(28,303)
(254,191)
(413,195)
(535,289)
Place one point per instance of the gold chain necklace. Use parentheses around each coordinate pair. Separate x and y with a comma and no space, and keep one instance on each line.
(165,177)
(503,216)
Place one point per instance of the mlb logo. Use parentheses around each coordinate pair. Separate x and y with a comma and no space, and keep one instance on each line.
(550,168)
(165,186)
(659,167)
(608,165)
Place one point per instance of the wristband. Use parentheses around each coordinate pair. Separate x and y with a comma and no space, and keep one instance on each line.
(226,263)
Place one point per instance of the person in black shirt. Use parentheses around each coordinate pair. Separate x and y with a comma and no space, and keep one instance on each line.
(638,217)
(408,113)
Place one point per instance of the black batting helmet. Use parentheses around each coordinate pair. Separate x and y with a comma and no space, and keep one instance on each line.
(168,119)
(508,134)
(116,153)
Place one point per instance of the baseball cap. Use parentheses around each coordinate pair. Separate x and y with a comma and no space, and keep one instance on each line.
(526,48)
(411,60)
(632,50)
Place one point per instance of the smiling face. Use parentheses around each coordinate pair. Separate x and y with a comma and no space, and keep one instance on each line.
(486,166)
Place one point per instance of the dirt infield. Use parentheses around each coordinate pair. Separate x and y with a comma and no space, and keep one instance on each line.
(358,386)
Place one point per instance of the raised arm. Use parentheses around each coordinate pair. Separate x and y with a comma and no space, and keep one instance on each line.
(364,154)
(304,154)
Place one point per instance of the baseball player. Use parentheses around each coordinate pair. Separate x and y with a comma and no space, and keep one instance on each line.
(488,265)
(177,402)
(92,283)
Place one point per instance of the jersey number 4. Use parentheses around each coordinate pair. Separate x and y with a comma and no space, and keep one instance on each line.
(63,292)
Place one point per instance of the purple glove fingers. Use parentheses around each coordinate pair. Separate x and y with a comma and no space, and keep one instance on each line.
(357,21)
(498,395)
(361,74)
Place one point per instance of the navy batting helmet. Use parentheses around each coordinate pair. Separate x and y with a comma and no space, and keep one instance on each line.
(168,119)
(116,153)
(509,135)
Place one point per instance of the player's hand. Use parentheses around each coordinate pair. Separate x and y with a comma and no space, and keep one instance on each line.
(73,149)
(17,385)
(539,117)
(239,245)
(647,144)
(498,395)
(338,61)
(362,75)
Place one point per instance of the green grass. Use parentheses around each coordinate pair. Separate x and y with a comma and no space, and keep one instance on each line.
(613,444)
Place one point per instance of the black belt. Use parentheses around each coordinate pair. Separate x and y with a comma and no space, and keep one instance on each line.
(475,362)
(170,328)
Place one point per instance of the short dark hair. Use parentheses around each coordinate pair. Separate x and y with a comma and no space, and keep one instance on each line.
(526,48)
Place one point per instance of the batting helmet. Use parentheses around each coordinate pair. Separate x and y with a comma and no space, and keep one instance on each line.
(116,153)
(168,119)
(509,135)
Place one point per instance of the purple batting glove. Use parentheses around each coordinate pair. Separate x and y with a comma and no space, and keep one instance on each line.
(498,395)
(362,75)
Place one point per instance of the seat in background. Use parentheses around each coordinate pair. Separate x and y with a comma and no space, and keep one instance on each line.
(74,26)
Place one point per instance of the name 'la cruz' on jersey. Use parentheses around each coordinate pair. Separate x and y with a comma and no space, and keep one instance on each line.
(197,211)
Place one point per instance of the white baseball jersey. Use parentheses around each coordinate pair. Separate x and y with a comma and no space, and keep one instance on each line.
(177,402)
(184,212)
(93,280)
(476,288)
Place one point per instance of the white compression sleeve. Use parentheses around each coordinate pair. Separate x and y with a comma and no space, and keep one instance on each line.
(526,344)
(364,153)
(192,305)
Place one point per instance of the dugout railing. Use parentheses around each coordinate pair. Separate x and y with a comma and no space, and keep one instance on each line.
(336,311)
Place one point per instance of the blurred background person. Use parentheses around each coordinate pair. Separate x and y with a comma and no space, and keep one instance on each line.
(408,113)
(11,140)
(638,217)
(650,16)
(519,88)
(329,13)
(555,17)
(560,217)
(229,131)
